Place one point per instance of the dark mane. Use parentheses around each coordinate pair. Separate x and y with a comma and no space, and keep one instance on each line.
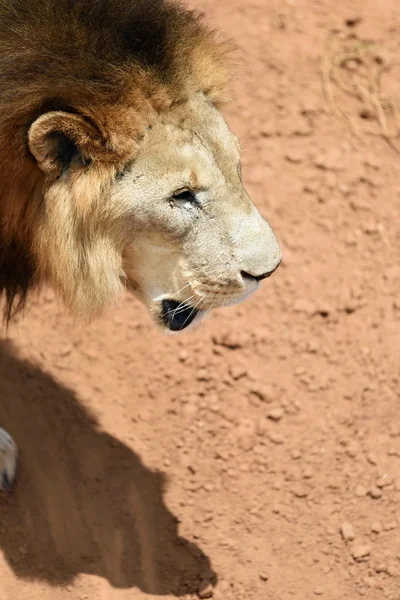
(115,62)
(16,276)
(90,51)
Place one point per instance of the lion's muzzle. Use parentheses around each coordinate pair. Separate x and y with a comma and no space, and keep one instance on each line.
(176,316)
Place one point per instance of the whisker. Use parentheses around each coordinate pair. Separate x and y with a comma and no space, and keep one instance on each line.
(247,134)
(192,311)
(181,307)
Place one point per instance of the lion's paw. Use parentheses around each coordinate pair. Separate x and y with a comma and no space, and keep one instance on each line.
(8,460)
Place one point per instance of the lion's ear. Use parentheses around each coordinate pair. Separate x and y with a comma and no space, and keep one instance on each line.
(56,139)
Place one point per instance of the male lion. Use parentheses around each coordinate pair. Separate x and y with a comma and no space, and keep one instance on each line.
(116,167)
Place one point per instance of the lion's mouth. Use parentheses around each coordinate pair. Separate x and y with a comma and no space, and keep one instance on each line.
(176,316)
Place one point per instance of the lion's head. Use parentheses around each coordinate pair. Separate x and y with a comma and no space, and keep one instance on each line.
(145,192)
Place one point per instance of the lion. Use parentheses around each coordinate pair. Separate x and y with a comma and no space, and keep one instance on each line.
(117,167)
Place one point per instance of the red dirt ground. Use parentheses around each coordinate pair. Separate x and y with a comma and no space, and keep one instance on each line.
(257,458)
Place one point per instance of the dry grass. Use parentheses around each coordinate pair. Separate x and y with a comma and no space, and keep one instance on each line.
(354,68)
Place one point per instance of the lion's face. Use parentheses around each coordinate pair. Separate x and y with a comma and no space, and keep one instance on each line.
(197,241)
(176,223)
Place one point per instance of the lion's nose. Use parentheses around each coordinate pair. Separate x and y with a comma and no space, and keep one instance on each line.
(259,278)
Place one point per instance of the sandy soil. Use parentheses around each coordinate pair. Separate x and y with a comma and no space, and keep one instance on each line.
(257,458)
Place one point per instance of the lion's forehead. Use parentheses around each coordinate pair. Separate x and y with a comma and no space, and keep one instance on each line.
(194,139)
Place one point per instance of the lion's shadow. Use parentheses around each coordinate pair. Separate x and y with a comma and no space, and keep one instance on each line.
(83,502)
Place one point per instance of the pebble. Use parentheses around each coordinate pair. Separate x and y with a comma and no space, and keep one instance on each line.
(384,481)
(347,531)
(237,372)
(308,473)
(295,454)
(275,437)
(276,414)
(183,356)
(294,156)
(331,160)
(264,392)
(376,527)
(230,340)
(375,493)
(318,591)
(353,449)
(360,551)
(371,458)
(264,576)
(361,491)
(206,590)
(300,492)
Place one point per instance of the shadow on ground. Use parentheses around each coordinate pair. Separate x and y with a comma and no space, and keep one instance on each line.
(83,502)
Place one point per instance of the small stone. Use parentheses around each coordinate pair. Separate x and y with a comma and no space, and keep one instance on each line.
(390,526)
(275,437)
(318,591)
(353,21)
(295,454)
(294,156)
(209,487)
(308,473)
(375,493)
(360,551)
(206,590)
(371,458)
(264,392)
(361,491)
(183,356)
(353,449)
(230,340)
(237,372)
(347,531)
(332,160)
(381,568)
(384,481)
(264,576)
(376,527)
(300,492)
(393,570)
(275,414)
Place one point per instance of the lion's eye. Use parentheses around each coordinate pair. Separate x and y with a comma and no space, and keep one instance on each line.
(185,199)
(185,196)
